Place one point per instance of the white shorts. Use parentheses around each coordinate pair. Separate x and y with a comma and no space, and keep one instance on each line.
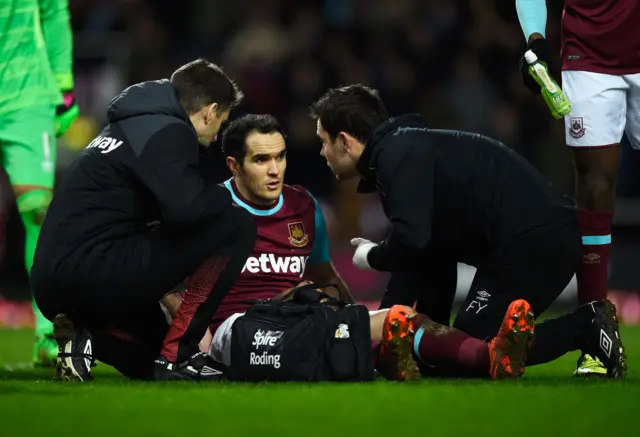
(220,348)
(603,107)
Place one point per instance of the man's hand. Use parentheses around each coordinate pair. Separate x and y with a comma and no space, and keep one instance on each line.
(66,113)
(363,247)
(539,46)
(171,303)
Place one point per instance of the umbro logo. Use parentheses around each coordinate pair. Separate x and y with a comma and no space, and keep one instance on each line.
(482,296)
(208,371)
(87,353)
(591,258)
(605,343)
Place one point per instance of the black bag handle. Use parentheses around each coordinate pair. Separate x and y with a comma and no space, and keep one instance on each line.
(308,294)
(300,290)
(304,295)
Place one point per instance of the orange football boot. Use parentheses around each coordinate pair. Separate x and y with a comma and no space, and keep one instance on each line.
(508,350)
(395,358)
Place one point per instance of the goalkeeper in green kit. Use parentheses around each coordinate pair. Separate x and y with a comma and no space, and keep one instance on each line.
(37,104)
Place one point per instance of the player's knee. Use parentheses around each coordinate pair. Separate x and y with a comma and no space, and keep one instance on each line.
(33,205)
(597,174)
(596,182)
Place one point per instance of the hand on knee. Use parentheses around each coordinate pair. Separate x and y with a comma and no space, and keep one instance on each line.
(170,304)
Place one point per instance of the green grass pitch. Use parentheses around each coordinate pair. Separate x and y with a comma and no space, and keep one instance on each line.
(546,402)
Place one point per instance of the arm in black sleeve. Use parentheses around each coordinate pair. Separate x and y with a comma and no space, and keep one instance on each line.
(168,167)
(409,203)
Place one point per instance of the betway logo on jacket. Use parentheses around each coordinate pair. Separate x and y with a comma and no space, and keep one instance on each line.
(105,144)
(270,263)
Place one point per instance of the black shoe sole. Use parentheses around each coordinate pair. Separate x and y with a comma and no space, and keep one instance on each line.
(63,334)
(619,369)
(168,375)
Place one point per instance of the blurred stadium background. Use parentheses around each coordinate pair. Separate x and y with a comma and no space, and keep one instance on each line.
(454,61)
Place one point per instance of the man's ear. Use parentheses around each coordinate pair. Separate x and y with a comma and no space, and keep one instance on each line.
(210,113)
(233,165)
(344,141)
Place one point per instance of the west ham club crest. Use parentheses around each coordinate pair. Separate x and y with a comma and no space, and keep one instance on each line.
(297,236)
(577,127)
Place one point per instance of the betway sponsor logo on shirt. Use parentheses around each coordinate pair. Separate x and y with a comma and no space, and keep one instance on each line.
(270,263)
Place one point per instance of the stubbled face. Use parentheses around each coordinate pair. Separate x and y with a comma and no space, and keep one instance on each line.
(339,159)
(259,177)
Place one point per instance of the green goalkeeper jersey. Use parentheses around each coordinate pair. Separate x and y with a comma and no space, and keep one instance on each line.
(35,53)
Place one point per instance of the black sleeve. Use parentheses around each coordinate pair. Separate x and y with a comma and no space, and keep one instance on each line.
(168,167)
(409,202)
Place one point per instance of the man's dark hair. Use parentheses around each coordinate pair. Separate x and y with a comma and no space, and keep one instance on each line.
(354,109)
(234,138)
(200,83)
